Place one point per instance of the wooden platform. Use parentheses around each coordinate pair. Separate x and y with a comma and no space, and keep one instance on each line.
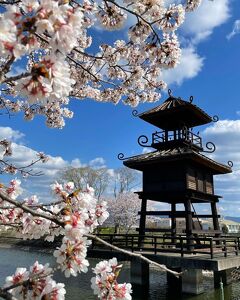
(210,253)
(174,260)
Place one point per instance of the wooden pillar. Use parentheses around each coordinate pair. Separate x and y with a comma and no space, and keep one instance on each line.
(166,135)
(189,224)
(174,284)
(224,276)
(215,216)
(175,135)
(173,221)
(139,278)
(142,222)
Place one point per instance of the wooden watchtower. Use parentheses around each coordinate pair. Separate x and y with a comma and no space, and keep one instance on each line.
(177,172)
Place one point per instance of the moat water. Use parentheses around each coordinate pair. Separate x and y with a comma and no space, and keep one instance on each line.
(79,288)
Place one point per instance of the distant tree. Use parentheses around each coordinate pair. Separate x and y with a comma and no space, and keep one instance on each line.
(225,229)
(81,177)
(123,211)
(125,180)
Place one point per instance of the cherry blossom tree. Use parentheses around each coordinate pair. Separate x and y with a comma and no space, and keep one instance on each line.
(53,43)
(123,211)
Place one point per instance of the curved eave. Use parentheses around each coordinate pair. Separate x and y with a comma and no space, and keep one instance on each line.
(140,162)
(172,117)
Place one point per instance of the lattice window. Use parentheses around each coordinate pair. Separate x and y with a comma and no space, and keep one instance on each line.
(200,182)
(191,180)
(209,185)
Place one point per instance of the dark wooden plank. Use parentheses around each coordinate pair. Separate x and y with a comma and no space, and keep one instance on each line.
(177,214)
(204,216)
(155,230)
(206,231)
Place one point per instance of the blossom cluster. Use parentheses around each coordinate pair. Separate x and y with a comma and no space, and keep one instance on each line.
(81,214)
(37,283)
(56,37)
(74,215)
(105,284)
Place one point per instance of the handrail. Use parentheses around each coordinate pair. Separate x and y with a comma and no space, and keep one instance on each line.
(181,244)
(183,134)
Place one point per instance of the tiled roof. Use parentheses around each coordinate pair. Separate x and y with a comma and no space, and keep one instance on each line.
(174,112)
(179,153)
(172,103)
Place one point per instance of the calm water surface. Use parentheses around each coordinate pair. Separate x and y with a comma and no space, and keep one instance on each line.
(79,288)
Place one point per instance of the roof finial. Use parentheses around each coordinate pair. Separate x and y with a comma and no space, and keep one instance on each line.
(169,92)
(135,113)
(191,99)
(215,118)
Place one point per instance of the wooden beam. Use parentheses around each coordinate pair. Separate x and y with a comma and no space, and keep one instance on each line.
(206,231)
(155,229)
(177,214)
(205,216)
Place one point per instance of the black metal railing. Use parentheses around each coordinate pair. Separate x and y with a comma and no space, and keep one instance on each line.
(176,135)
(182,245)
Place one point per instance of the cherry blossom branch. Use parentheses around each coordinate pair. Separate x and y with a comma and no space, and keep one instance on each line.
(12,169)
(17,77)
(80,65)
(25,208)
(6,66)
(10,224)
(61,223)
(25,282)
(6,295)
(138,16)
(37,281)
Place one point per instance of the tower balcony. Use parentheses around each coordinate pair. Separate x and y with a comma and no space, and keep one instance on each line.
(165,138)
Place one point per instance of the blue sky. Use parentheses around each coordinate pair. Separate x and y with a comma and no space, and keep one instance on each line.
(209,70)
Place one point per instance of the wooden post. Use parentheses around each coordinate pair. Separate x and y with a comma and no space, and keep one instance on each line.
(166,135)
(139,278)
(189,224)
(142,222)
(173,222)
(175,134)
(215,218)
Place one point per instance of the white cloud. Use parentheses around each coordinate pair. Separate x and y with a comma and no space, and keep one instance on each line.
(197,27)
(97,162)
(76,163)
(225,134)
(235,30)
(9,133)
(201,23)
(190,65)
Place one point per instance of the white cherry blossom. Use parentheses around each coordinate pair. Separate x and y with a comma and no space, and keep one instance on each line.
(54,37)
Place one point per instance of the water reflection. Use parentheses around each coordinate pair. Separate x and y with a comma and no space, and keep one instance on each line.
(79,288)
